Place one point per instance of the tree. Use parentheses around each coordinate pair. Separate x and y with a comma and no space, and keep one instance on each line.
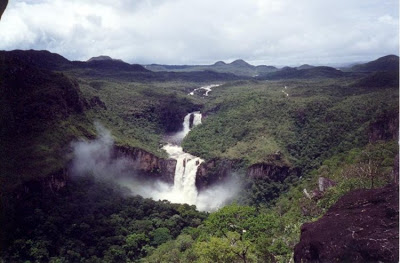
(160,235)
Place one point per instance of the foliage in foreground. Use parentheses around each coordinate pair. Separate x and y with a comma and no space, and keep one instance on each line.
(90,222)
(269,232)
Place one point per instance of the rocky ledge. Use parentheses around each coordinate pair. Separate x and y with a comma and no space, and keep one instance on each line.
(363,226)
(147,164)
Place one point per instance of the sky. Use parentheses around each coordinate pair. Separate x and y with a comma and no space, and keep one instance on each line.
(269,32)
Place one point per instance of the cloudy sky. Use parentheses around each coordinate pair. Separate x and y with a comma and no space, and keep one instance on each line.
(272,32)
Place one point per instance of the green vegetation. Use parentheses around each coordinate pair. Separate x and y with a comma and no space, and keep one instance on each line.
(253,120)
(268,232)
(91,221)
(327,128)
(138,114)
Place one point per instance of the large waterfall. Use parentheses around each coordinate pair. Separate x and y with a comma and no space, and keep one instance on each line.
(184,189)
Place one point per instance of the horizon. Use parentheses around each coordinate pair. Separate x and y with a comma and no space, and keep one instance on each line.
(334,65)
(178,32)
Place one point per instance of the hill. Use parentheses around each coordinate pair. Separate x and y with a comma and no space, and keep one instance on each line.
(379,79)
(305,66)
(36,108)
(307,73)
(386,63)
(238,67)
(99,58)
(293,145)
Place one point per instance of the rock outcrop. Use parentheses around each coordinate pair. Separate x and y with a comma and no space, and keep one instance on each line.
(147,164)
(3,5)
(363,226)
(212,172)
(53,183)
(395,171)
(217,170)
(277,173)
(386,127)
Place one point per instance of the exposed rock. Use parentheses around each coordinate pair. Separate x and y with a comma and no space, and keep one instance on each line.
(316,194)
(395,171)
(147,164)
(212,172)
(325,183)
(274,172)
(191,119)
(363,226)
(3,5)
(306,194)
(53,182)
(385,128)
(96,101)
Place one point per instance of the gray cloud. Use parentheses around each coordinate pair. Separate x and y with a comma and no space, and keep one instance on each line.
(189,31)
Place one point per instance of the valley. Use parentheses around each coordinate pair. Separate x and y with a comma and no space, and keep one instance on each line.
(105,161)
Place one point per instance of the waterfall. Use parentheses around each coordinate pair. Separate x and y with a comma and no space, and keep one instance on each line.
(206,88)
(184,189)
(177,138)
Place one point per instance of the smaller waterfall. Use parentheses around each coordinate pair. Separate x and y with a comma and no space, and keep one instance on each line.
(177,138)
(206,88)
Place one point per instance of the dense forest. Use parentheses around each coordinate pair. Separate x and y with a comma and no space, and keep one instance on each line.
(276,135)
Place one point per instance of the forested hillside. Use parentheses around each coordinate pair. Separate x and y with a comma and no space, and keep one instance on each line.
(270,142)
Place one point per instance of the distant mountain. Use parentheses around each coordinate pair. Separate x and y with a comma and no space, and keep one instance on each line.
(313,72)
(51,61)
(101,58)
(386,63)
(219,63)
(305,66)
(238,67)
(241,63)
(113,65)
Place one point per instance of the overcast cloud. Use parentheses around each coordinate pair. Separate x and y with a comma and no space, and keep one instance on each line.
(273,32)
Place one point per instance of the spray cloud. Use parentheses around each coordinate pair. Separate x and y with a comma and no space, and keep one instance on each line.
(97,158)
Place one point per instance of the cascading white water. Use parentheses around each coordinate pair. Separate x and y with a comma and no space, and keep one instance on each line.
(206,88)
(184,189)
(177,138)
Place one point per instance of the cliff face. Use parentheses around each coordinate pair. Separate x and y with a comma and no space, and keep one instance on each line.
(212,172)
(385,128)
(218,170)
(147,164)
(53,182)
(363,226)
(274,172)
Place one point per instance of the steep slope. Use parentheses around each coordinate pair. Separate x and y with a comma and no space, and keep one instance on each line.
(40,58)
(386,63)
(363,226)
(379,79)
(36,108)
(305,73)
